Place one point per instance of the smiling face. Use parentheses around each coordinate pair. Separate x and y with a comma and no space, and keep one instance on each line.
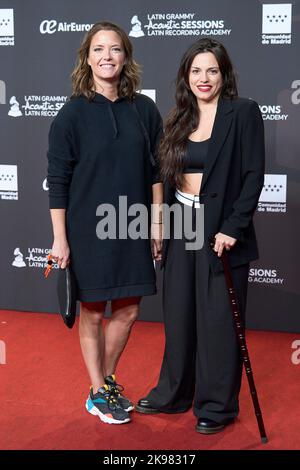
(205,78)
(106,57)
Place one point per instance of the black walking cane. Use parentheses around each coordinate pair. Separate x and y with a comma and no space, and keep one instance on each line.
(240,332)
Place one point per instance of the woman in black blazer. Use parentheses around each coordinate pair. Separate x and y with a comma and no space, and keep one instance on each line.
(212,160)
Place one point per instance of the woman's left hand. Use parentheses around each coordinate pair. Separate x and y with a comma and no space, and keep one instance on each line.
(223,241)
(156,241)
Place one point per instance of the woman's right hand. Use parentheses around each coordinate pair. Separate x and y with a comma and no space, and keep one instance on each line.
(156,241)
(61,252)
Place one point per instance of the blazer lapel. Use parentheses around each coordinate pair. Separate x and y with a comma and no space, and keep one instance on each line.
(220,130)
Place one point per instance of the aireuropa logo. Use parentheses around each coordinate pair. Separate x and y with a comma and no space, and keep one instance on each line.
(7,27)
(36,106)
(53,26)
(272,113)
(273,195)
(264,276)
(277,23)
(9,182)
(176,24)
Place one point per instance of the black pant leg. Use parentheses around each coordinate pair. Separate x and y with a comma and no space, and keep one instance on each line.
(175,389)
(219,364)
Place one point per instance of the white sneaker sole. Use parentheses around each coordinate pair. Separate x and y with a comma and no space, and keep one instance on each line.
(130,408)
(106,419)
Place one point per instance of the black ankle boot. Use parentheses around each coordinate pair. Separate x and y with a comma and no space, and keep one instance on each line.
(208,426)
(144,406)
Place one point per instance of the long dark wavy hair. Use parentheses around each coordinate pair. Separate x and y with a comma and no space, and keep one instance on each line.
(82,76)
(183,119)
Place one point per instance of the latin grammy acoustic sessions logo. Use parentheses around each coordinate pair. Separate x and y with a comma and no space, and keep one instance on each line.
(277,23)
(45,105)
(9,182)
(273,195)
(36,106)
(176,24)
(35,258)
(7,37)
(264,276)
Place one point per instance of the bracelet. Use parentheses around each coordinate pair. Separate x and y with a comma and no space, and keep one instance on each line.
(158,223)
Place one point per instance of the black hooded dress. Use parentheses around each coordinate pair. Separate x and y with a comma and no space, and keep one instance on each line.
(100,150)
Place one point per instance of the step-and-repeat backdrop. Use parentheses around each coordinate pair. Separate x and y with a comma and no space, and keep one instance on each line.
(38,44)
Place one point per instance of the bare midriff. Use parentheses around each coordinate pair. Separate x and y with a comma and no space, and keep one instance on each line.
(191,183)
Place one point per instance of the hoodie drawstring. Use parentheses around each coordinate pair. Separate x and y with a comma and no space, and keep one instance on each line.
(113,120)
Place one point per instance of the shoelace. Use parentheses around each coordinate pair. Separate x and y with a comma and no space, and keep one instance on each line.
(111,400)
(116,389)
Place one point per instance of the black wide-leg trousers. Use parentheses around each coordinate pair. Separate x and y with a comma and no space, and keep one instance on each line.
(202,362)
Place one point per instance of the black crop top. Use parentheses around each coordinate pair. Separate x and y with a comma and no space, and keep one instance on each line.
(196,153)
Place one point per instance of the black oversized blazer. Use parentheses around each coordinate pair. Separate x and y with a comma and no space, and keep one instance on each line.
(232,180)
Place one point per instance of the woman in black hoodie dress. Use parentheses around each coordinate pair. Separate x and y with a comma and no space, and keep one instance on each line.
(102,152)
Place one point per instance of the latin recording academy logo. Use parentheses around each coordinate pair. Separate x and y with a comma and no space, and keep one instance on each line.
(35,258)
(264,276)
(273,195)
(45,105)
(7,35)
(9,182)
(32,105)
(53,26)
(176,24)
(272,113)
(36,106)
(277,23)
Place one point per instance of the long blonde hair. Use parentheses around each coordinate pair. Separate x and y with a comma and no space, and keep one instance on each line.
(82,77)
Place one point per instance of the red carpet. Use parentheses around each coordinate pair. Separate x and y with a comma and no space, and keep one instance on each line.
(44,386)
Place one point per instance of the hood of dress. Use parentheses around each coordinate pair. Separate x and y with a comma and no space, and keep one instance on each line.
(101,100)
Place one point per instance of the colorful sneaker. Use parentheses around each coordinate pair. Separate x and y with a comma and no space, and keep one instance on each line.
(105,405)
(116,389)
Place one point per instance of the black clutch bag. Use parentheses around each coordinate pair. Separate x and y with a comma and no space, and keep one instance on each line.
(67,295)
